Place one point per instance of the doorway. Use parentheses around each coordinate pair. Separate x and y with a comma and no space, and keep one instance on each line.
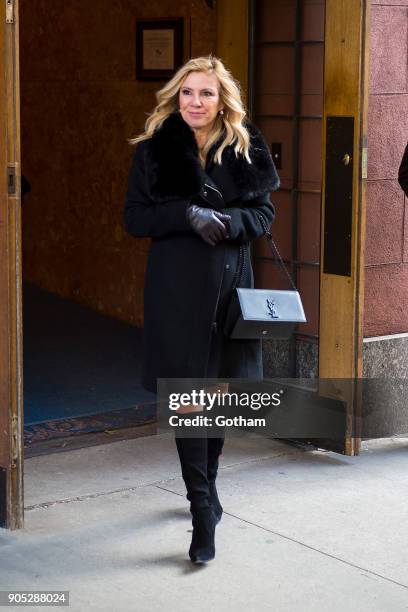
(82,277)
(80,234)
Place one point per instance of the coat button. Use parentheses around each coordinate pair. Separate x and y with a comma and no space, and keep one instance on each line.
(227,267)
(205,193)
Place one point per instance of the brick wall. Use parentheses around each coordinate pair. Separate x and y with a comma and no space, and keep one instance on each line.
(386,256)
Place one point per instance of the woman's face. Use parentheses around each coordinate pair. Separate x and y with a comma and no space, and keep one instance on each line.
(199,99)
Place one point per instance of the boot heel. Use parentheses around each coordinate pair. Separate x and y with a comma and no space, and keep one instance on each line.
(202,548)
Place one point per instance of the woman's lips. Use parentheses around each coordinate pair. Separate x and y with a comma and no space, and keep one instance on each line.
(196,114)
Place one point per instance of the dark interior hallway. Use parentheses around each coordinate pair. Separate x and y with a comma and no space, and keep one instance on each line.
(77,362)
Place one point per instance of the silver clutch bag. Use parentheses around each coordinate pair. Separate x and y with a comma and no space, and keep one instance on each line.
(265,313)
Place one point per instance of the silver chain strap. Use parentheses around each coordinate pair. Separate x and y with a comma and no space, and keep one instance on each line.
(240,267)
(272,242)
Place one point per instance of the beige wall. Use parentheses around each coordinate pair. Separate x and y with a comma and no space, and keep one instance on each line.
(80,101)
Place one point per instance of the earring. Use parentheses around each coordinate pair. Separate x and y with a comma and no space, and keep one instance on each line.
(221,112)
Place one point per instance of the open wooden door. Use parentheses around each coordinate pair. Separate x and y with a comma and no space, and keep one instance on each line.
(343,210)
(277,31)
(11,361)
(342,235)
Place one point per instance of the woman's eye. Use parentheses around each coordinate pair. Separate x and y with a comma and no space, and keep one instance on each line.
(186,92)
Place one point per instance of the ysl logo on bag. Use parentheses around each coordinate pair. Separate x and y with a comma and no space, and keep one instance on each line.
(272,308)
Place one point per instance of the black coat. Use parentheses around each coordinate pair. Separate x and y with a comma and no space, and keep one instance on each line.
(403,172)
(184,274)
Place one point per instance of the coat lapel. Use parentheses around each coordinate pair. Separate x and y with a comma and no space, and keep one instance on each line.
(175,171)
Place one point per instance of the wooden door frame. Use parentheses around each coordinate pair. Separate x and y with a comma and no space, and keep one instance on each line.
(11,356)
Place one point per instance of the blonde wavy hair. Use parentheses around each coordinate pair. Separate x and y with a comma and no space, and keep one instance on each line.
(230,95)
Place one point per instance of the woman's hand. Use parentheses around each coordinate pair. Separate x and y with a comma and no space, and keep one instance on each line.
(210,224)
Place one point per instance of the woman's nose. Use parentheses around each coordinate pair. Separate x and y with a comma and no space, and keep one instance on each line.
(197,101)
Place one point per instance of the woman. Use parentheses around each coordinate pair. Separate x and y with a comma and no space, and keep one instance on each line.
(403,172)
(199,187)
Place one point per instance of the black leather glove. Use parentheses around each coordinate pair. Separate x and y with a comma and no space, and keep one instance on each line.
(210,224)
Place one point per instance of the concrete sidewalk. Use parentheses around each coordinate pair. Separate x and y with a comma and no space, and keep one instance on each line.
(302,529)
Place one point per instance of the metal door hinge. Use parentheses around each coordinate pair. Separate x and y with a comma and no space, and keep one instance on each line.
(15,441)
(9,11)
(11,180)
(364,174)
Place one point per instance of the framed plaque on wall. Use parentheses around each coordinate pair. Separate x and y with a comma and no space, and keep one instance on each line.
(159,48)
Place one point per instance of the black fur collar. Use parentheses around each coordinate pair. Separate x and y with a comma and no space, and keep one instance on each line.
(175,171)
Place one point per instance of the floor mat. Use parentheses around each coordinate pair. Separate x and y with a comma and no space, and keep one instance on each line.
(116,419)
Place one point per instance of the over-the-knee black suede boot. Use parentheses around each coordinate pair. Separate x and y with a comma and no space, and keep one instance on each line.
(193,454)
(214,449)
(202,547)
